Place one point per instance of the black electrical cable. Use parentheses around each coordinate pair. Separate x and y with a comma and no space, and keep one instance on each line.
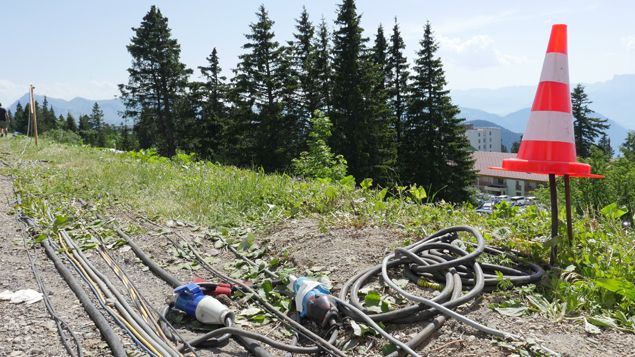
(324,345)
(59,322)
(113,341)
(111,338)
(441,258)
(154,267)
(250,345)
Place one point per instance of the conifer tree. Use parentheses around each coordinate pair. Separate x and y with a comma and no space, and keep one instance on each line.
(586,129)
(605,145)
(214,109)
(397,78)
(156,80)
(628,146)
(46,117)
(323,69)
(435,151)
(70,123)
(304,65)
(258,84)
(379,54)
(96,123)
(20,120)
(361,129)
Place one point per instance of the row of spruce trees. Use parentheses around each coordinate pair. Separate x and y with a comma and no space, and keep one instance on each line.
(392,123)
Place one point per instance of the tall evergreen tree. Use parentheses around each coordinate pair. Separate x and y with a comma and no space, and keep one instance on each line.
(586,129)
(628,146)
(361,130)
(70,123)
(214,108)
(379,53)
(304,65)
(156,80)
(323,68)
(397,78)
(605,145)
(258,86)
(20,120)
(435,151)
(96,123)
(46,118)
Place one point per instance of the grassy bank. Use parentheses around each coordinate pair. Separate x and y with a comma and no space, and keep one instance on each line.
(597,270)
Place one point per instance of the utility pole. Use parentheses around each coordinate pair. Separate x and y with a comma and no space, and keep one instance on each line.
(33,113)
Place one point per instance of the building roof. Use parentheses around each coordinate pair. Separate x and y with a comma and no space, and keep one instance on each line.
(486,159)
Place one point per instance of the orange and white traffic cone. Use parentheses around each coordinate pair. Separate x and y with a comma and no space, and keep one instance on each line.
(548,145)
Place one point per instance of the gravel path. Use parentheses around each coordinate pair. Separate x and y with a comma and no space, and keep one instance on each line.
(28,330)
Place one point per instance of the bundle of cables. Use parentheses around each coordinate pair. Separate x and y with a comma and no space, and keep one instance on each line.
(443,258)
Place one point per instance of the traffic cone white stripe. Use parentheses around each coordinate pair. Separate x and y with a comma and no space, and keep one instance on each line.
(555,68)
(549,126)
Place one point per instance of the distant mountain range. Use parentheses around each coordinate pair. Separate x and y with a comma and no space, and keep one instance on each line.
(614,98)
(78,106)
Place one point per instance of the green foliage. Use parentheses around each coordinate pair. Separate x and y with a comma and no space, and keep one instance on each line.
(319,161)
(63,136)
(628,147)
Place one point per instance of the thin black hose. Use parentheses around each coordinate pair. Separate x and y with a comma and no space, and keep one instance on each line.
(113,341)
(162,274)
(437,257)
(59,322)
(154,267)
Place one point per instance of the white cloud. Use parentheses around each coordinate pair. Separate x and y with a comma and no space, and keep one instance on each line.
(629,42)
(476,52)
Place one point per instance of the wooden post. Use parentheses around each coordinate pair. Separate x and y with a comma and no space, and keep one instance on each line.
(33,113)
(554,219)
(567,203)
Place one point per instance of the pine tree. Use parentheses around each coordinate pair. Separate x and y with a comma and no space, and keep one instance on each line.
(378,55)
(628,146)
(20,120)
(361,129)
(258,84)
(214,111)
(605,145)
(70,123)
(586,129)
(96,123)
(435,151)
(46,118)
(323,70)
(304,65)
(156,80)
(397,78)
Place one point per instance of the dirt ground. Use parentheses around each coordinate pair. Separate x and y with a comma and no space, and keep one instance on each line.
(27,330)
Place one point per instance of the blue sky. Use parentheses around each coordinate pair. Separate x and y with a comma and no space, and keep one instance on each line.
(78,48)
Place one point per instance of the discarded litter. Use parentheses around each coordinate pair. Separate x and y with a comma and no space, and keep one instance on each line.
(28,296)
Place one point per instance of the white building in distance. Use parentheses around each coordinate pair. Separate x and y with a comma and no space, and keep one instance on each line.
(485,139)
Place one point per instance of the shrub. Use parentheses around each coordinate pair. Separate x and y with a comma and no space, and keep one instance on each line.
(63,136)
(319,161)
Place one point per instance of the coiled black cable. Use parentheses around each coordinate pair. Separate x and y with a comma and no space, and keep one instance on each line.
(441,258)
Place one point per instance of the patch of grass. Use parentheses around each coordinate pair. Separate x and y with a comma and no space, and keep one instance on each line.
(601,261)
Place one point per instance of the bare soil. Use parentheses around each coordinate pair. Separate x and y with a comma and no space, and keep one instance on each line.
(27,330)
